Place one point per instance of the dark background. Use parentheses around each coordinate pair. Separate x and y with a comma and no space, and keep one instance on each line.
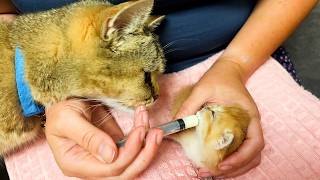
(304,48)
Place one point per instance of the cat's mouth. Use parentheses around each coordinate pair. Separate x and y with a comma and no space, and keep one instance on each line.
(128,106)
(148,102)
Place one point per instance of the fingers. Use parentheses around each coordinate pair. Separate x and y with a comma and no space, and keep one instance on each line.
(248,150)
(153,141)
(132,160)
(112,128)
(203,172)
(135,141)
(70,120)
(102,118)
(131,148)
(141,117)
(246,157)
(76,143)
(252,164)
(74,160)
(191,105)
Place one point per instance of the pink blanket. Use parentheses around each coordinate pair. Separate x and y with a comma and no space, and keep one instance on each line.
(290,120)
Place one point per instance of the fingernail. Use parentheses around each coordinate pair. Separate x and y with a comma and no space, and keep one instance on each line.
(141,108)
(138,110)
(107,153)
(158,138)
(225,167)
(139,121)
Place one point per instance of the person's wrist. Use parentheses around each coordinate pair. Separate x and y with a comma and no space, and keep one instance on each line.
(234,64)
(226,68)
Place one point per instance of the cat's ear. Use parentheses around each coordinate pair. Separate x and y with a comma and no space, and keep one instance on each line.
(154,21)
(127,20)
(225,140)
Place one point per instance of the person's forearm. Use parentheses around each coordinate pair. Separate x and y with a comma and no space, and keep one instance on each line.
(268,26)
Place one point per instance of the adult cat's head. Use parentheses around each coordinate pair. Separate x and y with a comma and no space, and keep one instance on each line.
(97,51)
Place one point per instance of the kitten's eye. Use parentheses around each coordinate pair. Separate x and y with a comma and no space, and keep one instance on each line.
(213,114)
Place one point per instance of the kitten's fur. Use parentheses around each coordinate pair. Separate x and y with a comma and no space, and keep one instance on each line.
(221,130)
(96,50)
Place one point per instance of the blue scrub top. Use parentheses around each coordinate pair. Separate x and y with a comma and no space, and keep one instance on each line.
(194,29)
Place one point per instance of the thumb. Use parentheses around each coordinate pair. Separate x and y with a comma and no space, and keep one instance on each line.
(191,105)
(91,138)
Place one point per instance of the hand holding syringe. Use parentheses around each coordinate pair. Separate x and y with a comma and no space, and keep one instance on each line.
(172,127)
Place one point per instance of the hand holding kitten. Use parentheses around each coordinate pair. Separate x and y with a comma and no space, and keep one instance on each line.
(223,84)
(83,143)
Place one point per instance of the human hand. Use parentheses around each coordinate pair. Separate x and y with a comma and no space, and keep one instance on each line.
(7,17)
(223,84)
(81,136)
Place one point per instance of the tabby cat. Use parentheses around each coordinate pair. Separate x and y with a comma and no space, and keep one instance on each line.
(88,49)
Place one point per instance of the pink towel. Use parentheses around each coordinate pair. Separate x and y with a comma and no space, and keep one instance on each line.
(290,120)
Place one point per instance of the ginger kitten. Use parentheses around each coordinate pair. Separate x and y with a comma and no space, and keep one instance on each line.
(221,130)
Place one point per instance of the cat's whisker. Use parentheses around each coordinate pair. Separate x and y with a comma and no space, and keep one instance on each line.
(96,101)
(103,119)
(93,107)
(172,50)
(175,41)
(85,99)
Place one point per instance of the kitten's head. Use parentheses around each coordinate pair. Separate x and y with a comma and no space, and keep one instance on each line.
(119,54)
(221,130)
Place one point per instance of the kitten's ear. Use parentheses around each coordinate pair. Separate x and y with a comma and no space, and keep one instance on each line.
(225,140)
(154,21)
(127,20)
